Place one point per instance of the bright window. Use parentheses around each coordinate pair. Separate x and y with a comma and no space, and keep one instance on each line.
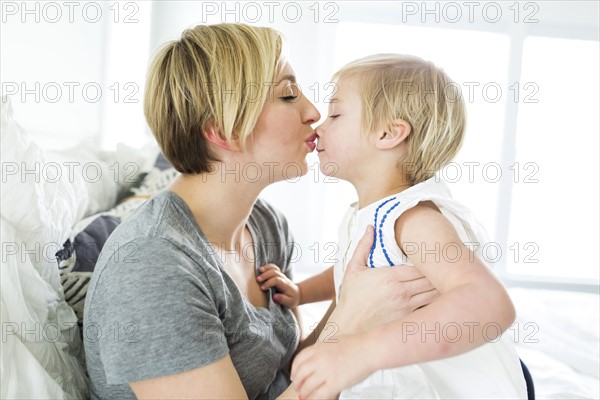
(554,215)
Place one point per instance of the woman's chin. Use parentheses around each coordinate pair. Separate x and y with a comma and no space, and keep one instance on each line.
(293,174)
(291,171)
(304,167)
(296,170)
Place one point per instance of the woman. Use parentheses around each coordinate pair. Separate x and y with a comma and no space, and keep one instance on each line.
(174,309)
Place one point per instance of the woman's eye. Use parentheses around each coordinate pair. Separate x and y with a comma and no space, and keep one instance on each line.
(334,116)
(290,92)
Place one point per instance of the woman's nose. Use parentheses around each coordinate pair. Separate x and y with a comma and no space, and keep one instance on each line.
(311,114)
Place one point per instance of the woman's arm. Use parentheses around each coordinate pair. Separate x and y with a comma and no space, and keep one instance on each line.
(313,336)
(400,290)
(224,384)
(472,300)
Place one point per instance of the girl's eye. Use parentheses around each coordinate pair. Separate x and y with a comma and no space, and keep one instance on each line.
(290,98)
(334,116)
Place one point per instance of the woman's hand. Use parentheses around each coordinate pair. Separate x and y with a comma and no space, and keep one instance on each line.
(372,296)
(369,297)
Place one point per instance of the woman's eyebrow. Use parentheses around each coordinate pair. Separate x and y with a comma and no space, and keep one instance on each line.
(290,78)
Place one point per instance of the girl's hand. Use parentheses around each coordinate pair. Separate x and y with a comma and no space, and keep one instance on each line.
(288,292)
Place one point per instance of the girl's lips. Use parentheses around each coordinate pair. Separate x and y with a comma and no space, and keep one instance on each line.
(311,146)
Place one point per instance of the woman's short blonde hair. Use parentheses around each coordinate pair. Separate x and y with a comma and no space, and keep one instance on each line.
(213,77)
(395,86)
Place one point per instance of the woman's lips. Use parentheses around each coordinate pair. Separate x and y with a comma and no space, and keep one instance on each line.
(310,142)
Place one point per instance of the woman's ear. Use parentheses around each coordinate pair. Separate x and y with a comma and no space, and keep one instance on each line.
(214,136)
(394,134)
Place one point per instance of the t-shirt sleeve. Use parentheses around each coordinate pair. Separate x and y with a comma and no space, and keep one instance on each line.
(155,314)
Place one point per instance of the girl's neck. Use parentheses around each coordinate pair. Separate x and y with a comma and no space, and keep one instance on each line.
(380,176)
(220,204)
(377,188)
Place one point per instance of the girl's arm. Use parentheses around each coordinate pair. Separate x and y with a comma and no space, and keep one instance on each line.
(318,287)
(472,301)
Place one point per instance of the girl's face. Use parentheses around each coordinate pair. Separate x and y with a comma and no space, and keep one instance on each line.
(283,135)
(342,144)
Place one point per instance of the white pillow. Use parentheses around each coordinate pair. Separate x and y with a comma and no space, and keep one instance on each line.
(40,206)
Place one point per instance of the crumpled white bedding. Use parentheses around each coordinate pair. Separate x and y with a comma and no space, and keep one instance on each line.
(42,354)
(44,194)
(554,379)
(557,335)
(41,350)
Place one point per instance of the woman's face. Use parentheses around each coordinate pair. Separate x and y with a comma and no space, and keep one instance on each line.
(283,135)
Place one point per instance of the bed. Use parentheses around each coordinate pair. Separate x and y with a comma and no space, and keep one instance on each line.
(58,207)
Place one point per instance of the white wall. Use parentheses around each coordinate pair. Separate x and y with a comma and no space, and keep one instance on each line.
(75,70)
(38,54)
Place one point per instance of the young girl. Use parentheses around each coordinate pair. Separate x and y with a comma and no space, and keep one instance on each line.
(394,122)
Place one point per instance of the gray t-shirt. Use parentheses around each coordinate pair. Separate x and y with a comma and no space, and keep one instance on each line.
(159,303)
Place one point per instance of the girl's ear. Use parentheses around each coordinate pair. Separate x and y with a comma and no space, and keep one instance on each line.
(393,134)
(214,136)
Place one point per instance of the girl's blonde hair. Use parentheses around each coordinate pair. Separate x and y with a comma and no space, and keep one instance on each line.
(395,86)
(215,77)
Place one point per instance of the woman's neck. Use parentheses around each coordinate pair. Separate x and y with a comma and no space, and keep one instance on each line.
(220,205)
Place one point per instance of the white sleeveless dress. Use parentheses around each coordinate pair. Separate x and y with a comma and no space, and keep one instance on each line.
(492,371)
